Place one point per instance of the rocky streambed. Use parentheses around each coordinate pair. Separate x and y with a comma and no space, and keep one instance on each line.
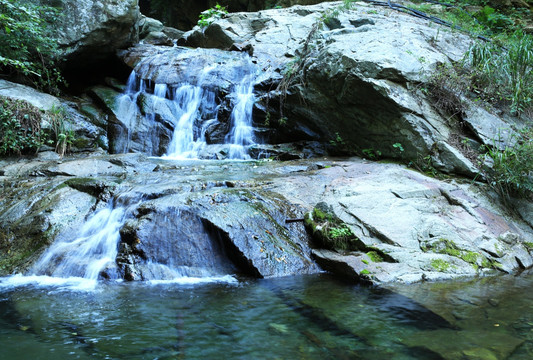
(362,220)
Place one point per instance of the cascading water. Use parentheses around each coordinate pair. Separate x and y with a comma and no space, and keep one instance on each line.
(191,102)
(182,253)
(241,132)
(90,253)
(192,105)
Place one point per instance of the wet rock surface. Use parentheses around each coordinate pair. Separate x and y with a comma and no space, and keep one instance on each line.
(248,217)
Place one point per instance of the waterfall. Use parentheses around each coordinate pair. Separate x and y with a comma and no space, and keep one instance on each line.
(192,105)
(127,109)
(78,262)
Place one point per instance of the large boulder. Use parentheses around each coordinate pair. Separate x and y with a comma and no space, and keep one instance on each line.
(352,78)
(87,134)
(367,221)
(89,31)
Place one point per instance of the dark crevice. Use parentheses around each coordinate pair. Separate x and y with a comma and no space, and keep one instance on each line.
(233,253)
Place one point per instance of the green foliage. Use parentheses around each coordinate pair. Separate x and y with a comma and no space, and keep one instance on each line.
(493,19)
(208,16)
(365,272)
(337,141)
(20,128)
(340,233)
(509,171)
(329,231)
(445,87)
(272,4)
(398,146)
(371,154)
(27,46)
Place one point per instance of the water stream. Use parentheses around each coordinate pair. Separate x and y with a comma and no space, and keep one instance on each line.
(309,317)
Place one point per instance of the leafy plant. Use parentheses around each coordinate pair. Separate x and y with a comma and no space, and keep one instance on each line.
(62,134)
(493,19)
(399,147)
(424,164)
(444,89)
(21,132)
(28,49)
(340,233)
(208,16)
(371,154)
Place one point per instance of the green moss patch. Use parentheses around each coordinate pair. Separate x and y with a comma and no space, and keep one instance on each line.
(440,265)
(330,232)
(448,247)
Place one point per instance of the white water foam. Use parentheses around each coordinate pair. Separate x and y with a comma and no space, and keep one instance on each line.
(187,280)
(71,283)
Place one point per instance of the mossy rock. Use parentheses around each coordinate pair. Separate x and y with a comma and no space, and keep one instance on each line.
(330,232)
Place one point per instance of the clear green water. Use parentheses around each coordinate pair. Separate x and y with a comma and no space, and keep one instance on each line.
(311,317)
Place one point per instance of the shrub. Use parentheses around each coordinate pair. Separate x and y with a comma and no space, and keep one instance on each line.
(20,128)
(503,74)
(510,171)
(61,134)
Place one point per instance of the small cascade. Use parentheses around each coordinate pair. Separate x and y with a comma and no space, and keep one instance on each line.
(191,104)
(178,250)
(127,110)
(241,131)
(89,254)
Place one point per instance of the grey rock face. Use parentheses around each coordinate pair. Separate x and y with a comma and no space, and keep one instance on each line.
(92,30)
(21,92)
(427,229)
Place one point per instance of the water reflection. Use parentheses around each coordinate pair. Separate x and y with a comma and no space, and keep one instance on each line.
(311,317)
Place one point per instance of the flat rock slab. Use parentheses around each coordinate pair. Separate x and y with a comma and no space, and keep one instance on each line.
(21,92)
(424,228)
